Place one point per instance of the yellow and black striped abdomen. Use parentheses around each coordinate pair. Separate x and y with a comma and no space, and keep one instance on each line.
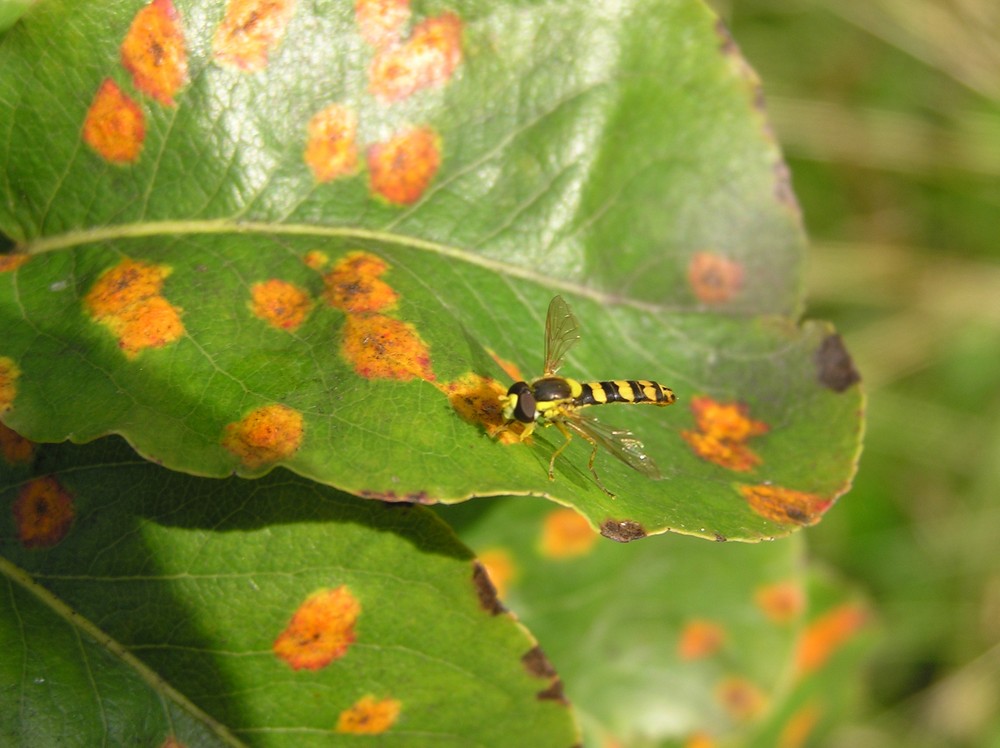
(624,391)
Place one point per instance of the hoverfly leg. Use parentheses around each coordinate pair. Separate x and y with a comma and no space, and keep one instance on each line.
(552,462)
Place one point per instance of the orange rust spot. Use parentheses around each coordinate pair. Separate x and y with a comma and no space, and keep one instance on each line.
(783,602)
(565,534)
(43,513)
(249,31)
(477,400)
(700,740)
(714,278)
(826,634)
(9,374)
(380,347)
(699,639)
(316,259)
(799,727)
(741,699)
(369,716)
(126,299)
(265,435)
(321,630)
(11,262)
(428,59)
(331,146)
(381,22)
(785,505)
(279,303)
(500,567)
(509,367)
(402,168)
(723,429)
(354,284)
(115,125)
(16,450)
(153,52)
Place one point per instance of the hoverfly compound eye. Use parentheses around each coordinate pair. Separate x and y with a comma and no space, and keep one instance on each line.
(525,408)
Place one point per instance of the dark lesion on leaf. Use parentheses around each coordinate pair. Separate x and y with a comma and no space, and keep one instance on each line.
(553,693)
(624,531)
(720,538)
(537,664)
(834,366)
(485,590)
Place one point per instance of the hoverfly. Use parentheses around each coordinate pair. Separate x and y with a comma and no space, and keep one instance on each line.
(551,400)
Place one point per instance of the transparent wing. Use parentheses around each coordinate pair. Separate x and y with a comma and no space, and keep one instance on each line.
(619,442)
(560,334)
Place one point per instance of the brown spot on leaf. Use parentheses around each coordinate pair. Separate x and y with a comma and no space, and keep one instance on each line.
(565,534)
(320,631)
(834,366)
(265,435)
(331,143)
(485,590)
(250,31)
(127,300)
(381,22)
(400,169)
(9,374)
(115,125)
(428,59)
(537,664)
(391,497)
(154,53)
(369,716)
(281,304)
(43,513)
(15,449)
(354,284)
(380,347)
(723,430)
(624,531)
(554,692)
(714,278)
(785,505)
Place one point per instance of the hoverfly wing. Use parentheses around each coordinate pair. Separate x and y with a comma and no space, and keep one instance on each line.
(619,442)
(561,333)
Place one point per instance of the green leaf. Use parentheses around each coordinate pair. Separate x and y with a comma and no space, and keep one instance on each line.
(192,282)
(156,610)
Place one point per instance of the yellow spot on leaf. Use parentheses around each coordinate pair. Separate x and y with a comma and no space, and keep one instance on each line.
(566,534)
(115,125)
(785,505)
(369,716)
(700,740)
(477,400)
(316,259)
(265,435)
(249,31)
(428,59)
(11,262)
(783,602)
(401,169)
(723,429)
(381,22)
(500,567)
(331,147)
(740,698)
(126,299)
(279,303)
(509,367)
(320,631)
(713,278)
(154,53)
(9,374)
(699,639)
(354,284)
(16,450)
(380,347)
(43,513)
(826,634)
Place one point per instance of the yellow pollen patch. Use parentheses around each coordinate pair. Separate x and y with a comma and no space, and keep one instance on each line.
(154,53)
(265,435)
(43,513)
(321,630)
(250,30)
(566,534)
(369,716)
(281,304)
(126,299)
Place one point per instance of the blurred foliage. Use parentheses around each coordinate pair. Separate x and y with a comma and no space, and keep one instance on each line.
(889,115)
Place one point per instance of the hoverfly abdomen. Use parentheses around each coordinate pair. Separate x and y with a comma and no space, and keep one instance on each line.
(624,391)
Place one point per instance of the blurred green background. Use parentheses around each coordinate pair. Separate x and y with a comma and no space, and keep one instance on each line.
(888,114)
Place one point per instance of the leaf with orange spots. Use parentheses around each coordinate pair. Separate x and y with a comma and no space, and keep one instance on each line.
(272,607)
(268,234)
